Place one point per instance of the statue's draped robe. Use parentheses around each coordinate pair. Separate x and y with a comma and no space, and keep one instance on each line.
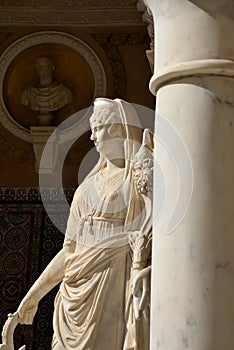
(93,308)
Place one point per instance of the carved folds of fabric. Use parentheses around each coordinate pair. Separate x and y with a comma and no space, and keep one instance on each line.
(141,248)
(140,241)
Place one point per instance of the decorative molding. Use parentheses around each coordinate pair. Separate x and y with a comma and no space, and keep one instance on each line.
(148,18)
(37,38)
(180,70)
(98,13)
(32,194)
(69,3)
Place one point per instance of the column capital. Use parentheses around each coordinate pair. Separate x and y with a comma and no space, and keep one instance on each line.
(172,73)
(192,37)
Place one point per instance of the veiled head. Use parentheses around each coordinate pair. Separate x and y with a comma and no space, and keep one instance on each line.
(105,112)
(126,132)
(108,132)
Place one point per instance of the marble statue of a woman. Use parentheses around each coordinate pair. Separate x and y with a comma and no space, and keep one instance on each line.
(104,265)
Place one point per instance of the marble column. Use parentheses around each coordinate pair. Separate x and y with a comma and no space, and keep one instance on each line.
(193,266)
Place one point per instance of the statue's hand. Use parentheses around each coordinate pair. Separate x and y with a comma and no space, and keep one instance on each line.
(27,310)
(141,291)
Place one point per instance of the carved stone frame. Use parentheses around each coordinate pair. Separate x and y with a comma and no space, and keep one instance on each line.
(43,37)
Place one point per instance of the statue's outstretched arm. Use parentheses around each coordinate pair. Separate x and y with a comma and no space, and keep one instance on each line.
(50,277)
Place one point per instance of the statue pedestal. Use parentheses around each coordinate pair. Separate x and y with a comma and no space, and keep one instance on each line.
(40,136)
(45,119)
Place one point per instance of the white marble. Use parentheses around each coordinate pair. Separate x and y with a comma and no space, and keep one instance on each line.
(104,265)
(191,307)
(179,25)
(192,270)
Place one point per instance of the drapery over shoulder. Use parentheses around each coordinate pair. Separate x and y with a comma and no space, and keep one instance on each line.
(99,304)
(103,299)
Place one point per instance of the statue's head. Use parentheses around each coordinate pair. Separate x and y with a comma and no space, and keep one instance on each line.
(105,112)
(108,131)
(44,69)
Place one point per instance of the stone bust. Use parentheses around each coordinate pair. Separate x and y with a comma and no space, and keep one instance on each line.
(46,94)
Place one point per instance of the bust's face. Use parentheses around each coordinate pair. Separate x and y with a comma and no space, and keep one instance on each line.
(44,69)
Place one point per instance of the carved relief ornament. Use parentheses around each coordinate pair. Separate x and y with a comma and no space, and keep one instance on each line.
(37,38)
(70,12)
(39,136)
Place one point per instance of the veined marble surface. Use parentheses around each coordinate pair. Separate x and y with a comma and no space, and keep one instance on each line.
(192,272)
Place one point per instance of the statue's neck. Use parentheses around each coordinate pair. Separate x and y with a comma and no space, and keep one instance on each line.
(114,166)
(119,163)
(46,81)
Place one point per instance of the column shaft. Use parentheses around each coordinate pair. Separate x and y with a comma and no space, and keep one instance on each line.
(193,266)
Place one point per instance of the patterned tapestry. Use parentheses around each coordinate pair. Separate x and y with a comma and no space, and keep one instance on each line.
(28,241)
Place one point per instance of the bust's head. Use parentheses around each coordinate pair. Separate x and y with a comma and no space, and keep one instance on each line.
(44,69)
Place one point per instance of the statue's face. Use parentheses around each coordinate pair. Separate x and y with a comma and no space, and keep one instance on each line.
(100,135)
(108,139)
(107,132)
(44,69)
